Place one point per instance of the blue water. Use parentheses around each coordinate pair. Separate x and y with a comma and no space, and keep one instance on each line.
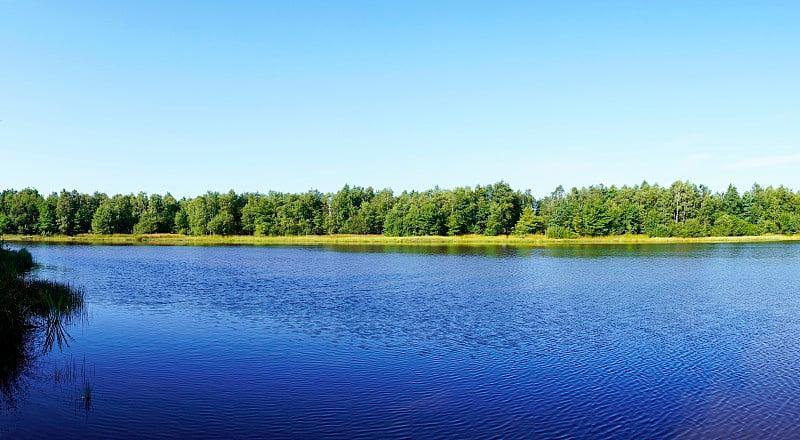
(660,341)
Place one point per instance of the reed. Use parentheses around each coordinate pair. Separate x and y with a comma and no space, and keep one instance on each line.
(85,395)
(14,263)
(29,307)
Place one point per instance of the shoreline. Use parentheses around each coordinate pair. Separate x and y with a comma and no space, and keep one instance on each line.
(317,240)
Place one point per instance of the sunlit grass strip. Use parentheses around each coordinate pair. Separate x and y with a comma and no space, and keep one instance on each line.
(311,240)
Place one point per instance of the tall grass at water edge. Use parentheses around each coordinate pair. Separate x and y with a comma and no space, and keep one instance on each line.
(31,311)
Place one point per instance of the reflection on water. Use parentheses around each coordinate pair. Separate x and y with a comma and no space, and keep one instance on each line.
(75,380)
(618,341)
(666,250)
(36,315)
(444,249)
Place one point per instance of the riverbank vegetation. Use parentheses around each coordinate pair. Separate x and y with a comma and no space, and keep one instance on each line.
(680,210)
(33,312)
(378,240)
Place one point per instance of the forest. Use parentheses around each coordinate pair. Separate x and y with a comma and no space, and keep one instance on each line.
(680,210)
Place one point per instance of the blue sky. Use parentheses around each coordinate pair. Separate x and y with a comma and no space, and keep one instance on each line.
(190,96)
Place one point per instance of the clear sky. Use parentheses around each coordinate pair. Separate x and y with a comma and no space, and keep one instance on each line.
(190,96)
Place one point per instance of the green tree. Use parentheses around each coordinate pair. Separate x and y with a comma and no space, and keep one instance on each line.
(23,211)
(505,206)
(395,224)
(182,222)
(66,207)
(462,211)
(47,215)
(84,211)
(223,223)
(148,223)
(169,209)
(5,224)
(529,223)
(731,202)
(103,219)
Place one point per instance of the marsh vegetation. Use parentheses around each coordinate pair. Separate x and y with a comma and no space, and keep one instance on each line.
(34,317)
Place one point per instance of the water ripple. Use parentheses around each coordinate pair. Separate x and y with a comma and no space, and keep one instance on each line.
(584,342)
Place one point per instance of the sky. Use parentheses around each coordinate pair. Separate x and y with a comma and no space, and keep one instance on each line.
(194,96)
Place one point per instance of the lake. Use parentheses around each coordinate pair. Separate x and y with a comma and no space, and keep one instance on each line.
(636,341)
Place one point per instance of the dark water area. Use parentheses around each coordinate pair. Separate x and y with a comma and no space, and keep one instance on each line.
(632,341)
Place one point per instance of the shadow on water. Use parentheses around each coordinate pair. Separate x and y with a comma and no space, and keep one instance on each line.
(563,250)
(483,250)
(34,317)
(667,250)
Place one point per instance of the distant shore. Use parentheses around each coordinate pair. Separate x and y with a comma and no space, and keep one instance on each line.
(311,240)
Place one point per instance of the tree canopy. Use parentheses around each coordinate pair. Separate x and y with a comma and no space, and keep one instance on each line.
(683,209)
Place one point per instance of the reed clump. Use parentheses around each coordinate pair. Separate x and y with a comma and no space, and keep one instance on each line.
(30,310)
(14,263)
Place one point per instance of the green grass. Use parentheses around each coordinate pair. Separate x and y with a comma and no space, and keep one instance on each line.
(310,240)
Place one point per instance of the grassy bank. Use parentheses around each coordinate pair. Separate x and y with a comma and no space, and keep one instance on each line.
(311,240)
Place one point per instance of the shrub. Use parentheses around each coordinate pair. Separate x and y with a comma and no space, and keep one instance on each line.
(560,232)
(660,231)
(691,228)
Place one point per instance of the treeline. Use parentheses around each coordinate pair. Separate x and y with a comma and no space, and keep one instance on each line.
(682,209)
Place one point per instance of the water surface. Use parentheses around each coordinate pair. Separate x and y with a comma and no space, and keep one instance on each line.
(632,341)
